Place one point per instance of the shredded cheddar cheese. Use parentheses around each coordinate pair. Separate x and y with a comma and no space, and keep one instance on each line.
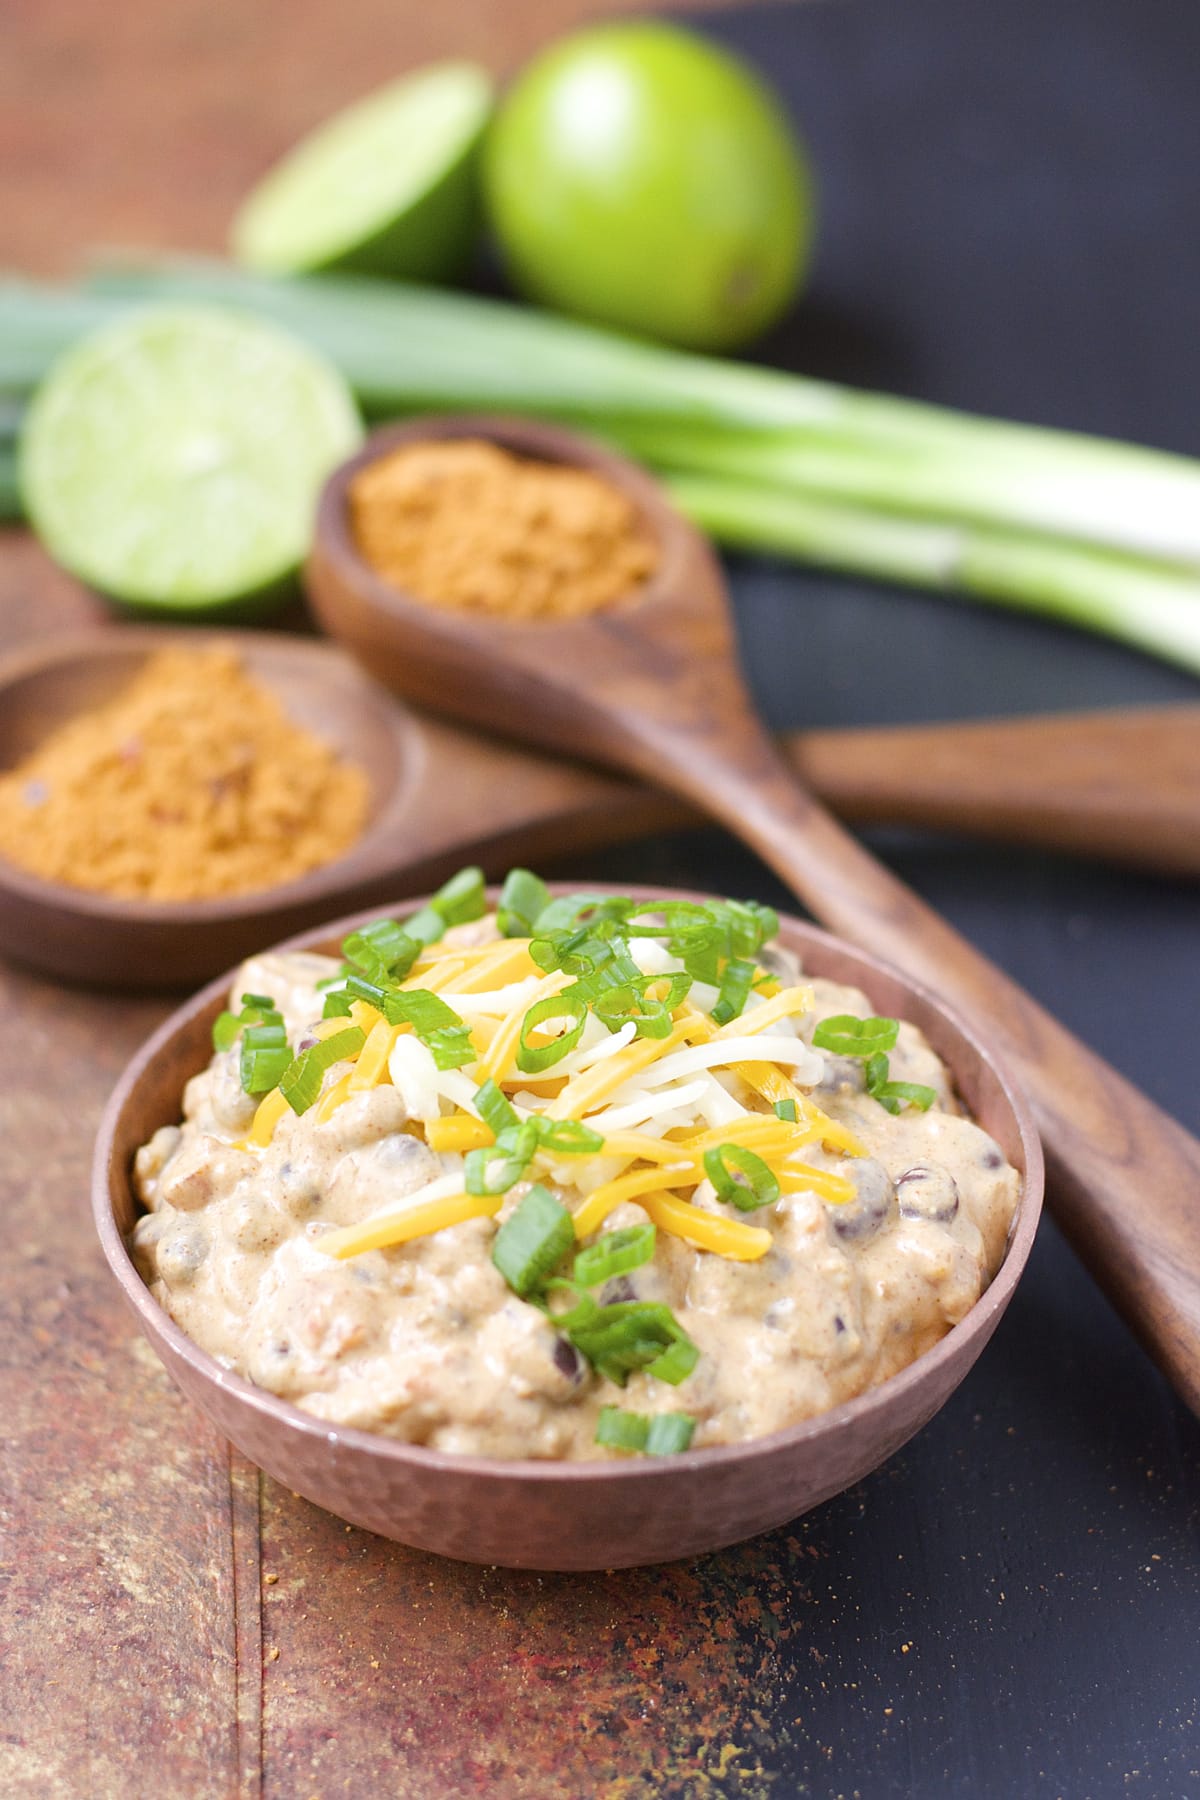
(270,1110)
(584,1094)
(707,1231)
(596,1208)
(458,1134)
(657,1169)
(402,1227)
(500,1054)
(372,1064)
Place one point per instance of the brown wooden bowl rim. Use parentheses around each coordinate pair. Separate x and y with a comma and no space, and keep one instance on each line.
(330,879)
(157,1323)
(540,440)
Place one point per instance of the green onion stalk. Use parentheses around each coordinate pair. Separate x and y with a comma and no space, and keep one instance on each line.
(1089,531)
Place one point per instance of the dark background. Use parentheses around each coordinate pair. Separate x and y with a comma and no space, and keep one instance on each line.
(1011,223)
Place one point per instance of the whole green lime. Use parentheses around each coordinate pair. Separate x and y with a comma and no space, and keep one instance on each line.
(637,175)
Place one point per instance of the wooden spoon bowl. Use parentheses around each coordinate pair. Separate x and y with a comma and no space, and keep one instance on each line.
(573,1515)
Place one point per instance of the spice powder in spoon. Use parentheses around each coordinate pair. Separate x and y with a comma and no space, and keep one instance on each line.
(190,784)
(461,523)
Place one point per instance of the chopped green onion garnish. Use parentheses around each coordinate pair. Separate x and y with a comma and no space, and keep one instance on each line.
(616,1253)
(263,1070)
(383,951)
(437,1025)
(669,1433)
(300,1083)
(568,1137)
(494,1169)
(426,926)
(532,1240)
(522,899)
(558,914)
(618,1340)
(373,992)
(257,1009)
(658,1434)
(651,1013)
(265,1056)
(890,1094)
(786,1110)
(338,1002)
(584,1308)
(621,1430)
(533,1058)
(736,981)
(844,1035)
(495,1109)
(462,899)
(702,933)
(676,1362)
(760,1186)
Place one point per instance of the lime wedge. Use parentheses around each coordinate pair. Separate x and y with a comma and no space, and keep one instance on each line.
(173,459)
(387,187)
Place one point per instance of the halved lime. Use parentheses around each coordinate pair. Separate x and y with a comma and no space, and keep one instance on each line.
(173,459)
(387,187)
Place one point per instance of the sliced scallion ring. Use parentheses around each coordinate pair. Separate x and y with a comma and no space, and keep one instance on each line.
(382,951)
(619,1340)
(846,1035)
(737,978)
(300,1083)
(616,1253)
(495,1109)
(568,1137)
(462,899)
(522,898)
(658,1434)
(265,1055)
(759,1188)
(669,1433)
(497,1167)
(532,1059)
(532,1240)
(621,1430)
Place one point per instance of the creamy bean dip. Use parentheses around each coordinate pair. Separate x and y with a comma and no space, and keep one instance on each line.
(704,1220)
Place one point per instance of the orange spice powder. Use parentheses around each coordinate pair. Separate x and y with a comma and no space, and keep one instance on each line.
(189,784)
(464,524)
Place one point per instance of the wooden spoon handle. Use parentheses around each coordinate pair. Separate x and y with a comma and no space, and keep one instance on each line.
(1124,785)
(1123,1177)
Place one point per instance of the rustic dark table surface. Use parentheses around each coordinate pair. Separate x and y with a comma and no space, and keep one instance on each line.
(1011,1606)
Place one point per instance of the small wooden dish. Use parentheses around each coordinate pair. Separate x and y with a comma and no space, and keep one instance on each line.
(547,1515)
(111,942)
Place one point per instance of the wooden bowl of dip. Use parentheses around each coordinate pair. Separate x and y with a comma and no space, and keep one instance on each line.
(570,1515)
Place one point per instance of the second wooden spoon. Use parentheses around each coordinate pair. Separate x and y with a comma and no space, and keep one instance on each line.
(654,686)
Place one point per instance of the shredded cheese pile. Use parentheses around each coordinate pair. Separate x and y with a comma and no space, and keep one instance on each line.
(658,1103)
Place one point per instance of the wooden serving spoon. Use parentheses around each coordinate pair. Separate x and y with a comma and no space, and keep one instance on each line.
(653,686)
